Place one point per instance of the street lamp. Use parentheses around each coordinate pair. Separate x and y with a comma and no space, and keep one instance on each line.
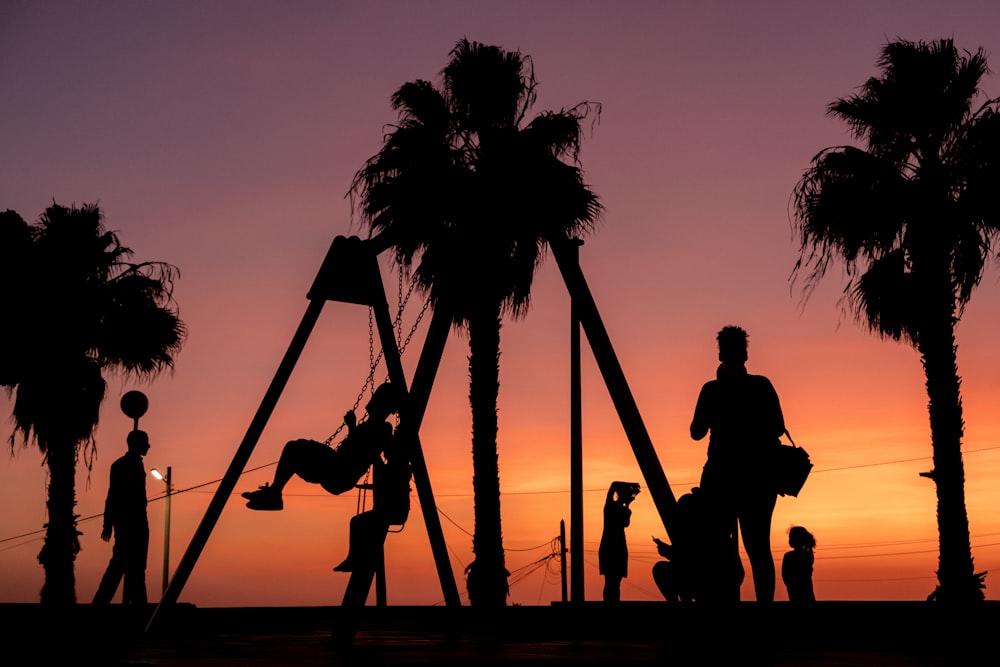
(134,404)
(166,525)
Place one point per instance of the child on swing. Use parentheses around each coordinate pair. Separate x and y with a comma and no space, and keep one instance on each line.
(335,469)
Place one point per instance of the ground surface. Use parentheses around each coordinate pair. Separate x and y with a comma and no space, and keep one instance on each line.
(883,634)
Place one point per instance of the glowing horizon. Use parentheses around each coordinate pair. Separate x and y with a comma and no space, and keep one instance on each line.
(224,141)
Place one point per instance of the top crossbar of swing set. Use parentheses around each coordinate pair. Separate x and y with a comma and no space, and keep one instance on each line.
(350,274)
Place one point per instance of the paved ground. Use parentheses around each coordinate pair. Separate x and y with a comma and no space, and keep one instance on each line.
(877,634)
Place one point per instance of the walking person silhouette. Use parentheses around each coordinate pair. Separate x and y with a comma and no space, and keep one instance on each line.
(742,414)
(125,517)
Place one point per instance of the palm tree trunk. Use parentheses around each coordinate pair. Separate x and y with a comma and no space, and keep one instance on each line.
(956,578)
(62,541)
(488,579)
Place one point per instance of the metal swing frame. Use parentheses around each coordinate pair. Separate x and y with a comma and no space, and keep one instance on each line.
(350,274)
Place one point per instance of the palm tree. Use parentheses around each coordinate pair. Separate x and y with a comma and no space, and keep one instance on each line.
(81,309)
(475,191)
(913,216)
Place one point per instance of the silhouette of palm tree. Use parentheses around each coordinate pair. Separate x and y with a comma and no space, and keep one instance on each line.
(80,309)
(913,216)
(470,192)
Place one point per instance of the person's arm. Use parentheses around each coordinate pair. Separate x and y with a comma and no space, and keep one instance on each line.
(106,529)
(700,422)
(110,503)
(776,420)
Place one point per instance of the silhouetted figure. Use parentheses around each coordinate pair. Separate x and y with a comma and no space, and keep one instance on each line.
(613,552)
(125,517)
(743,415)
(335,469)
(390,507)
(701,565)
(797,565)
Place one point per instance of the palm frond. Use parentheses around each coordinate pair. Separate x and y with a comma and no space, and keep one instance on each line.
(488,87)
(139,332)
(850,204)
(60,403)
(886,299)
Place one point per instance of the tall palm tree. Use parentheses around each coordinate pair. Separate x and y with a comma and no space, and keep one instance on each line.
(81,309)
(469,191)
(913,216)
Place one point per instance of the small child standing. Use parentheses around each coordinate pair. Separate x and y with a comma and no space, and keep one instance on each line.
(613,552)
(797,565)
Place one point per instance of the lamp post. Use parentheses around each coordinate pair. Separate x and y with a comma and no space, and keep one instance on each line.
(166,525)
(134,404)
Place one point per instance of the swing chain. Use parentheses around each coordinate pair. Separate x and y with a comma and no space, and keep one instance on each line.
(413,329)
(373,360)
(401,302)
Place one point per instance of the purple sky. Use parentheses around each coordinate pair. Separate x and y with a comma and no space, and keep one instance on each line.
(222,137)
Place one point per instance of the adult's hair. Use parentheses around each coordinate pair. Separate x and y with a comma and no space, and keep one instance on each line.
(732,343)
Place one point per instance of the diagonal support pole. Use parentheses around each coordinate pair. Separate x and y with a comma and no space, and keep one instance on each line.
(338,279)
(239,462)
(364,259)
(409,426)
(410,418)
(614,378)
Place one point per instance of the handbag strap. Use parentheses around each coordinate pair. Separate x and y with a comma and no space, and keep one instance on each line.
(790,438)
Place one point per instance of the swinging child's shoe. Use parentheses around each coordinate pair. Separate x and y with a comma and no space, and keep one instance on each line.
(265,498)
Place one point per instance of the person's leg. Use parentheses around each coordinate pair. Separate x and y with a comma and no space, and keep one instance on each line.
(755,524)
(612,588)
(308,459)
(665,578)
(367,534)
(112,576)
(718,539)
(134,584)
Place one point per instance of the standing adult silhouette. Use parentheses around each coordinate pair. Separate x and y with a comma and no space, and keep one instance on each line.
(742,414)
(125,517)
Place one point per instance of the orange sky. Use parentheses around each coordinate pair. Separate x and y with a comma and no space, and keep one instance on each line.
(222,137)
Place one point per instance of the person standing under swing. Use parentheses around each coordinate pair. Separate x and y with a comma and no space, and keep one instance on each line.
(335,469)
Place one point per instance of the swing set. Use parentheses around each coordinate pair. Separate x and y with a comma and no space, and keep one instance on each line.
(350,274)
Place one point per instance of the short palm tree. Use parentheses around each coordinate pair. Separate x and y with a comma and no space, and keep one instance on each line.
(914,215)
(81,309)
(471,192)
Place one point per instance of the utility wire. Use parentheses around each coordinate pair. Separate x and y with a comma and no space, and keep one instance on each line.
(559,491)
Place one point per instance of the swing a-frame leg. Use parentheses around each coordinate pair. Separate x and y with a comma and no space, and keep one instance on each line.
(585,309)
(350,274)
(410,419)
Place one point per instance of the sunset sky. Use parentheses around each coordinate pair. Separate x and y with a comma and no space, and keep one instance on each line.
(222,137)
